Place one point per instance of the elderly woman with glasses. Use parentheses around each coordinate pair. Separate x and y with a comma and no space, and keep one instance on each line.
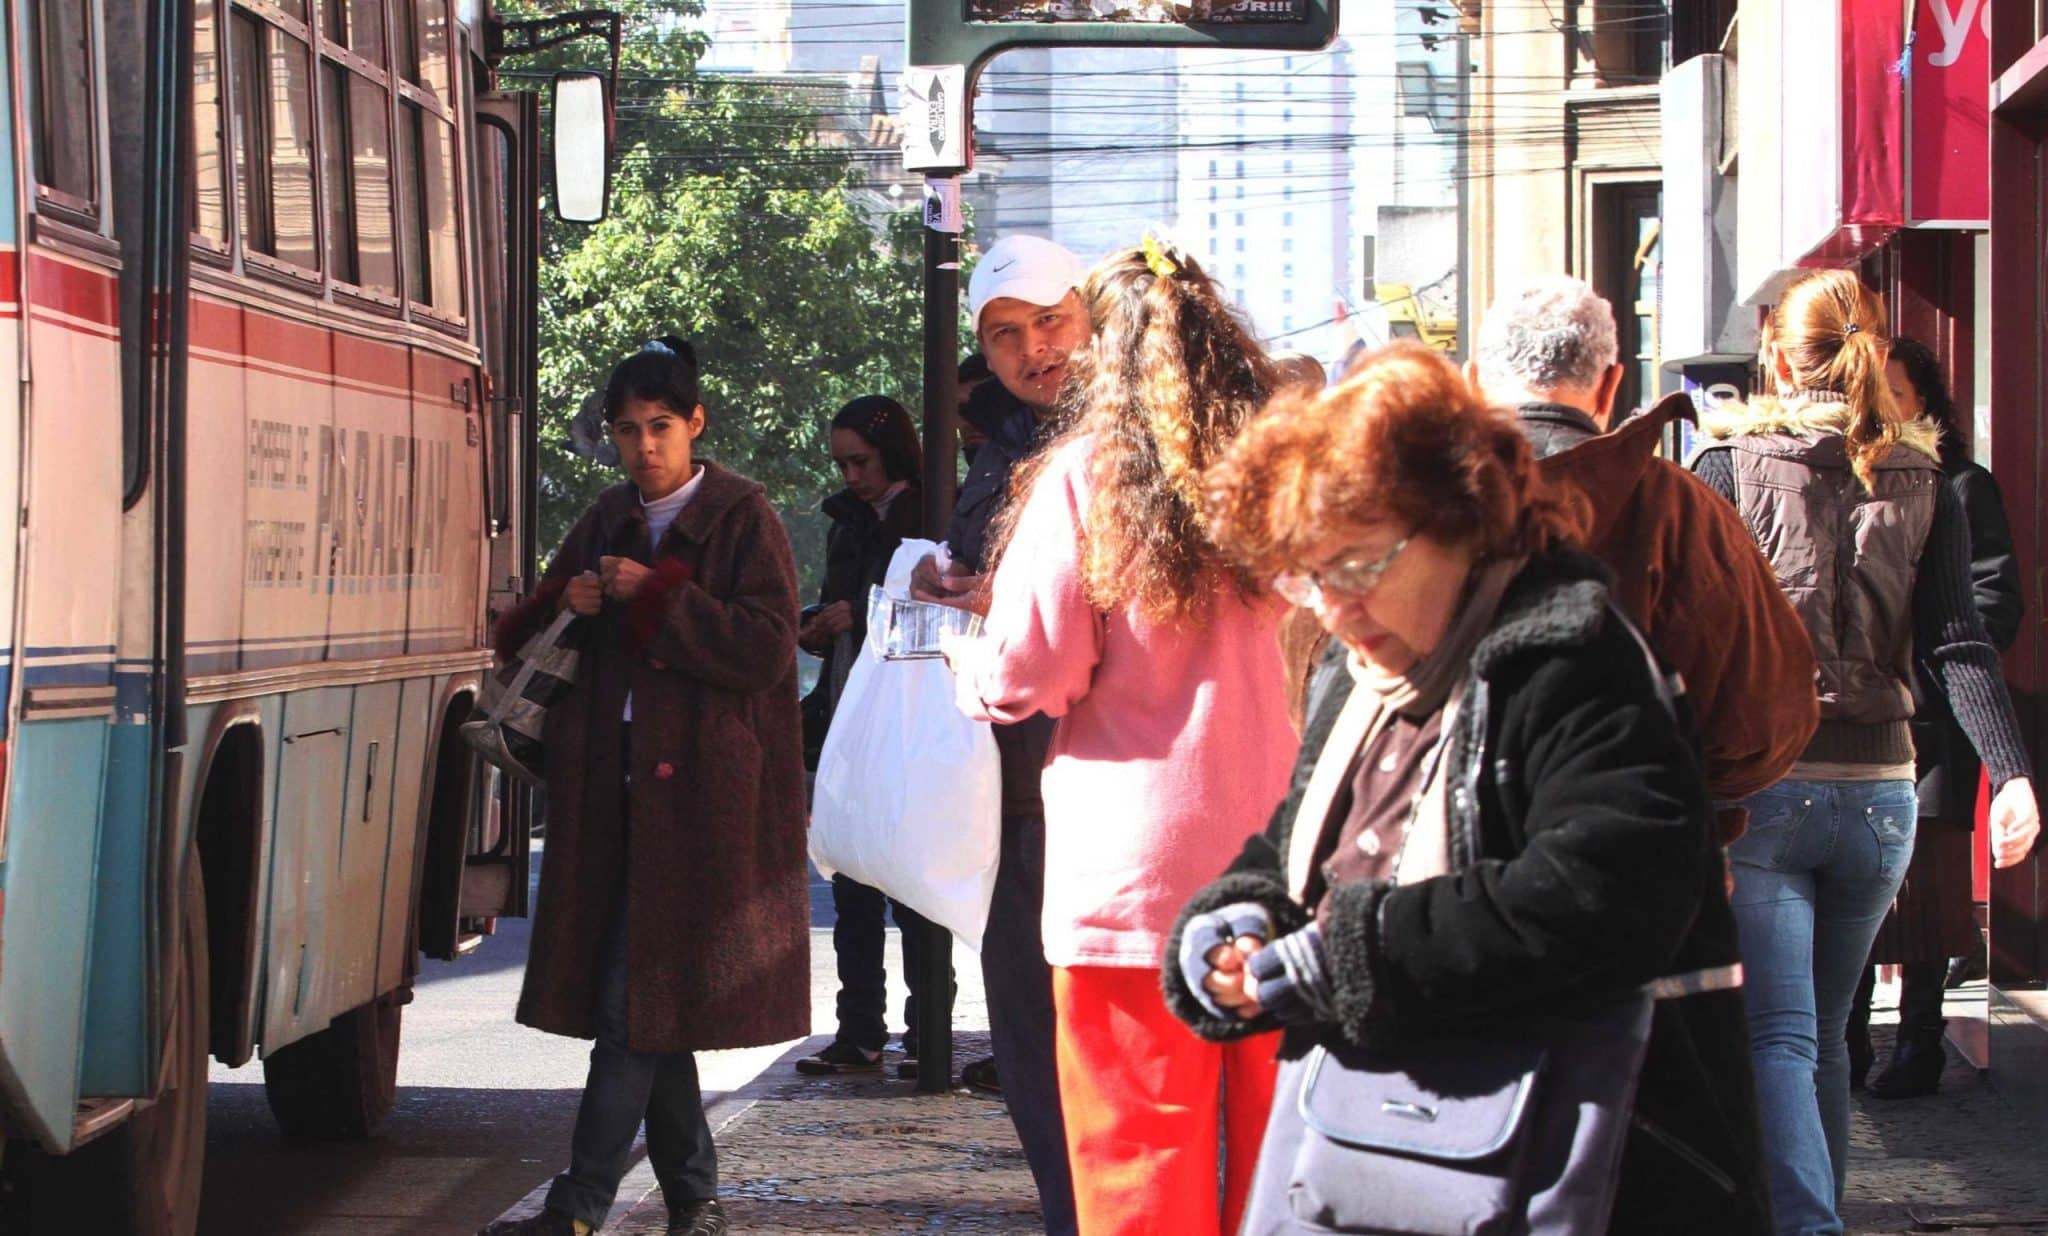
(1499,810)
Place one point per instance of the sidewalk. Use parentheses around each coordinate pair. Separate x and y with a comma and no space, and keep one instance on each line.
(865,1153)
(1968,1159)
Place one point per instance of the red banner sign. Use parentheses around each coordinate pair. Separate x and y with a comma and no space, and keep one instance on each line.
(1949,113)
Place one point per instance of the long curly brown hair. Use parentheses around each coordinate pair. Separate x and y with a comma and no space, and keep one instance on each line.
(1172,376)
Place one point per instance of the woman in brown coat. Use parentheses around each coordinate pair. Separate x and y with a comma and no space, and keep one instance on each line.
(672,915)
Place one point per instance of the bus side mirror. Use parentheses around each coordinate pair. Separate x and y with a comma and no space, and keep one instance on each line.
(582,148)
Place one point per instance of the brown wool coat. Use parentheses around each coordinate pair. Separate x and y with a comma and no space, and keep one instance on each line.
(705,851)
(1688,572)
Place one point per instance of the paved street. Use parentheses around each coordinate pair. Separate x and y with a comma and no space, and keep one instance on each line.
(485,1107)
(483,1113)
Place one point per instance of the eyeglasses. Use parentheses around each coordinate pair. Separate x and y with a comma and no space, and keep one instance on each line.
(1355,578)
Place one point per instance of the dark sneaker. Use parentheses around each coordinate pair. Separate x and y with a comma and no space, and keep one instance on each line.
(705,1218)
(840,1057)
(546,1223)
(981,1075)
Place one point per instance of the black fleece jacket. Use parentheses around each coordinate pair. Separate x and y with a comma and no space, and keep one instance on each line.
(1583,864)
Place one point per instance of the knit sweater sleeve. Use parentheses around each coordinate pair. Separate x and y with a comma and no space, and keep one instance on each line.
(1950,637)
(1717,469)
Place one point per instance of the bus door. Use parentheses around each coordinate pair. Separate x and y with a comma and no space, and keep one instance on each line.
(495,867)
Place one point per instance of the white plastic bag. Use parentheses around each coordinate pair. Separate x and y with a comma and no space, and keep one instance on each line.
(908,797)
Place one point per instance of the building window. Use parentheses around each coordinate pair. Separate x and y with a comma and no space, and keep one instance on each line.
(1286,115)
(272,122)
(1287,270)
(1237,274)
(66,137)
(1287,167)
(1240,244)
(1212,246)
(1286,193)
(1287,244)
(1286,296)
(1287,324)
(1286,218)
(1240,193)
(1212,193)
(1212,169)
(1240,218)
(1212,220)
(1239,174)
(1240,92)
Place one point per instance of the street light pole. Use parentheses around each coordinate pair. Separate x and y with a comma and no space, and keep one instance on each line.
(941,441)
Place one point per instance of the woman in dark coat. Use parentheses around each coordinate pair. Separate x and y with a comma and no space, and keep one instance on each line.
(1933,920)
(673,913)
(875,448)
(1499,811)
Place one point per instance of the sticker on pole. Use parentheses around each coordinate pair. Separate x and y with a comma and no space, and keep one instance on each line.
(935,118)
(942,211)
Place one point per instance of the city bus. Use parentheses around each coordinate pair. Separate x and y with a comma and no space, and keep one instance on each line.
(267,353)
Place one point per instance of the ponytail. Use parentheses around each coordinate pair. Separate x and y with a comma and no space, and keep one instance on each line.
(1832,331)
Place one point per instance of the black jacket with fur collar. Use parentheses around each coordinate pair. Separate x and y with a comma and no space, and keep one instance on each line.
(1583,864)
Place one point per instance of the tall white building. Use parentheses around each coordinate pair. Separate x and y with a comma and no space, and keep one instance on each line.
(1265,185)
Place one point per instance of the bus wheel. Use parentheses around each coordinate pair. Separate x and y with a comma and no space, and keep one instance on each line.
(337,1084)
(142,1178)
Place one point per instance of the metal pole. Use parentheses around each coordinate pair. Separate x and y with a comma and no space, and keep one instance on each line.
(1464,179)
(941,439)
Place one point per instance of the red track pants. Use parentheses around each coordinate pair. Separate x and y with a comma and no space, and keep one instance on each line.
(1143,1100)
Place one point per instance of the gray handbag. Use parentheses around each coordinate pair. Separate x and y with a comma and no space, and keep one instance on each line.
(1510,1134)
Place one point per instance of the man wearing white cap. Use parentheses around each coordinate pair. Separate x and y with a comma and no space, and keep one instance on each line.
(1028,317)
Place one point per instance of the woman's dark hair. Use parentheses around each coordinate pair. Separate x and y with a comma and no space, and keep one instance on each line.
(664,370)
(974,368)
(1924,372)
(882,423)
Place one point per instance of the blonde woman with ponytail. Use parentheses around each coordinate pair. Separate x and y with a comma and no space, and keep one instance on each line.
(1111,610)
(1845,495)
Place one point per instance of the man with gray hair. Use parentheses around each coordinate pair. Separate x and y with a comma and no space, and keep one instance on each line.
(1686,569)
(1549,349)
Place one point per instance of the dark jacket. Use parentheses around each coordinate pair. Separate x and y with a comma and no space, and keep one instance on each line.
(1584,864)
(1014,432)
(1846,557)
(703,853)
(1947,763)
(858,548)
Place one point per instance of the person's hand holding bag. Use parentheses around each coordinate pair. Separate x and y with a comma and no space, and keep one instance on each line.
(584,594)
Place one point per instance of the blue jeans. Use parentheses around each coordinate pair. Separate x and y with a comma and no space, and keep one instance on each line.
(1814,875)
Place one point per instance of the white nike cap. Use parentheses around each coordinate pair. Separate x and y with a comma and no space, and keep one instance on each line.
(1027,268)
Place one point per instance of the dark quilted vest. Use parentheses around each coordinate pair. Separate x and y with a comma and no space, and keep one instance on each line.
(1846,558)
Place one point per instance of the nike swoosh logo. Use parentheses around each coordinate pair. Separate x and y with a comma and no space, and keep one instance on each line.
(1005,266)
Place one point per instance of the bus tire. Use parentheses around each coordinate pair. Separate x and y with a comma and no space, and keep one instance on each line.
(142,1178)
(338,1084)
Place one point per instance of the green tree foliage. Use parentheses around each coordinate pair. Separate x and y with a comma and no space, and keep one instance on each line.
(735,226)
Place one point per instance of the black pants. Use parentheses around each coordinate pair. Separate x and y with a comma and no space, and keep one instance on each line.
(1020,1015)
(857,939)
(624,1088)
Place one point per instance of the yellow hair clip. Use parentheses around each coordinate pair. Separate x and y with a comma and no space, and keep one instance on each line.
(1156,259)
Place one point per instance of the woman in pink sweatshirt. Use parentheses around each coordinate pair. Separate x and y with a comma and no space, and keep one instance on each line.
(1110,611)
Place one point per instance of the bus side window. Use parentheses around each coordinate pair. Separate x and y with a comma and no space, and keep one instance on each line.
(272,111)
(427,185)
(67,152)
(209,197)
(355,139)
